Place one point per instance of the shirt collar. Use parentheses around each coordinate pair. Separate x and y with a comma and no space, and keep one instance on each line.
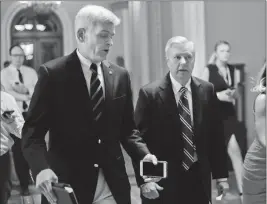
(84,61)
(11,66)
(177,86)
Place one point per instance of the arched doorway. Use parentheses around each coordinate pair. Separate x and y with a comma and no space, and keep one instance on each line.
(39,34)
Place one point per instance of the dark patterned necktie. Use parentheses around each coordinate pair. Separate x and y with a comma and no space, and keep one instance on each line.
(96,93)
(186,129)
(24,104)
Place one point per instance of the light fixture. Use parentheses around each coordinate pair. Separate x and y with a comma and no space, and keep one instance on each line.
(40,27)
(20,27)
(42,6)
(28,26)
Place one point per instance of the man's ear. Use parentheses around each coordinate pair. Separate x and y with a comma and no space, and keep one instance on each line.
(81,34)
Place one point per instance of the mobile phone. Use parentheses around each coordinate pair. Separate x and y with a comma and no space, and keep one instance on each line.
(7,114)
(155,171)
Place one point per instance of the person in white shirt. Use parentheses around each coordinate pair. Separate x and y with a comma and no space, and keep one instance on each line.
(11,124)
(19,81)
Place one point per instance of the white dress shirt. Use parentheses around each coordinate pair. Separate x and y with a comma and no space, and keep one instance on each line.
(102,192)
(86,63)
(10,76)
(176,86)
(9,103)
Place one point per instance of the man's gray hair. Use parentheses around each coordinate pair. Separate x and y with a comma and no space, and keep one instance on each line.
(180,40)
(90,15)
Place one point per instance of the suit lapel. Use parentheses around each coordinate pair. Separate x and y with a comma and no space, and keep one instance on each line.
(108,74)
(197,93)
(168,99)
(77,84)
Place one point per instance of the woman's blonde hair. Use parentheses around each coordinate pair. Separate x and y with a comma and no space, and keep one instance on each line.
(261,81)
(213,57)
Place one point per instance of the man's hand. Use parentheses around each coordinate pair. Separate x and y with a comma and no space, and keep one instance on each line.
(43,183)
(222,187)
(150,190)
(9,122)
(8,118)
(20,88)
(151,158)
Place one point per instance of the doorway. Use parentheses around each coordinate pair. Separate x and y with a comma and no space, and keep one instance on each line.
(39,34)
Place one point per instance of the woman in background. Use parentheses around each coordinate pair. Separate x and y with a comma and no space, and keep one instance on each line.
(221,74)
(254,178)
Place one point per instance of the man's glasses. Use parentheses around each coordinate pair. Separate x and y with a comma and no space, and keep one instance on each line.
(17,55)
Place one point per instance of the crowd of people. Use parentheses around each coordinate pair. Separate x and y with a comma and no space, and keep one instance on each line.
(85,102)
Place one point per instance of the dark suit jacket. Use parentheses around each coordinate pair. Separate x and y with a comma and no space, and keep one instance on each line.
(157,118)
(61,105)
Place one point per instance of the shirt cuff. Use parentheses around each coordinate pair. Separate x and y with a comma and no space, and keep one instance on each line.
(221,179)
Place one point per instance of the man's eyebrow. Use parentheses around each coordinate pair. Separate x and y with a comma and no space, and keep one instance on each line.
(106,31)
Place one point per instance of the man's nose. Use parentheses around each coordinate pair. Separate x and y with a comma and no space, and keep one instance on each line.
(182,60)
(110,42)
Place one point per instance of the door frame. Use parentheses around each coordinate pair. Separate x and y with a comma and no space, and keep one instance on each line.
(37,40)
(14,8)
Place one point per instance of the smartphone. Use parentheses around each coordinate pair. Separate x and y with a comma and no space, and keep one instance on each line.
(155,171)
(7,114)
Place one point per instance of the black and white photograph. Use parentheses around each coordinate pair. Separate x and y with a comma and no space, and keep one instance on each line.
(133,102)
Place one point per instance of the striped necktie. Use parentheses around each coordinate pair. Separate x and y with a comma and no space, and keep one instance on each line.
(24,104)
(186,130)
(96,93)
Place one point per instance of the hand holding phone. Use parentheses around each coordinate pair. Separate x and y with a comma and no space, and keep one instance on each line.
(7,114)
(149,170)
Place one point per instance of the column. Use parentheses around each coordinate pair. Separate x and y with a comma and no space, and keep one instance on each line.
(194,29)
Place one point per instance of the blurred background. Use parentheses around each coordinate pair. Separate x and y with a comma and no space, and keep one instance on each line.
(45,30)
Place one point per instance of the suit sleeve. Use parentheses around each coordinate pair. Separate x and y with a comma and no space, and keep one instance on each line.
(142,119)
(130,136)
(37,124)
(218,153)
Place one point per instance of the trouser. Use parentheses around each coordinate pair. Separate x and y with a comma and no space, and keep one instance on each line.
(185,189)
(21,165)
(5,185)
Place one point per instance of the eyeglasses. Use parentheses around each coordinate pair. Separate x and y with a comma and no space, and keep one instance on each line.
(178,58)
(17,55)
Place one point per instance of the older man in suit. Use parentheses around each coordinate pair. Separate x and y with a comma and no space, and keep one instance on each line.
(86,104)
(177,119)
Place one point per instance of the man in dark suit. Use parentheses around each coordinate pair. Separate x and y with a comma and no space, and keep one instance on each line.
(86,105)
(177,120)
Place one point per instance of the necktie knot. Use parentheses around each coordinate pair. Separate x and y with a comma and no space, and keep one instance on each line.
(93,67)
(183,90)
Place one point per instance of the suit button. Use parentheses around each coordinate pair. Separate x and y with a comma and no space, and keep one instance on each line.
(95,165)
(99,141)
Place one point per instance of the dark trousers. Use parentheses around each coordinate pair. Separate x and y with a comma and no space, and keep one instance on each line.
(21,165)
(5,184)
(187,188)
